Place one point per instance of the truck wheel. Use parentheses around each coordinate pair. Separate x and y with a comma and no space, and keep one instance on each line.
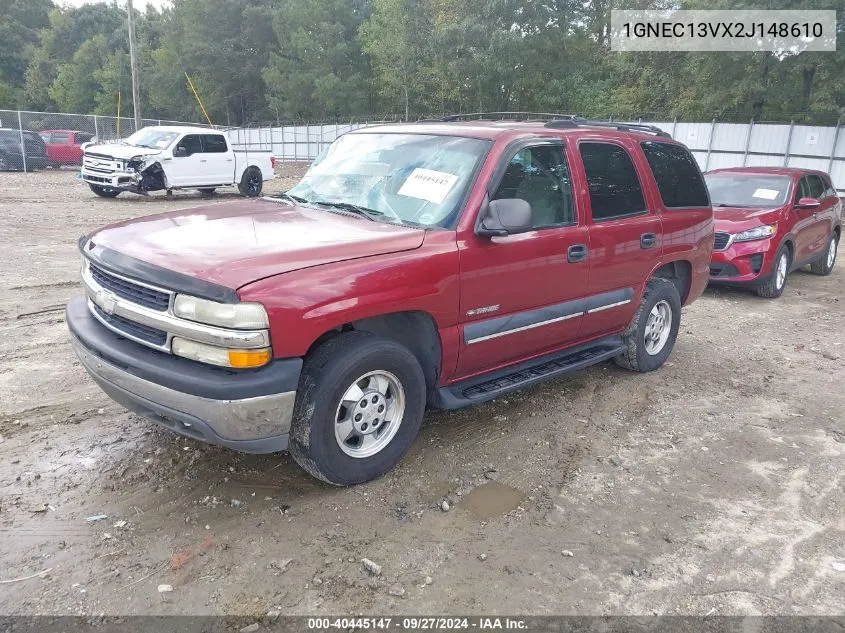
(251,182)
(104,192)
(651,335)
(359,406)
(824,264)
(773,288)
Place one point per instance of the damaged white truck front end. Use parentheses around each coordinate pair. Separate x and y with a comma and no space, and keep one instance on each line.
(166,158)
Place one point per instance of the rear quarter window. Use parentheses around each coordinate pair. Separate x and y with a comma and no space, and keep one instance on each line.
(676,173)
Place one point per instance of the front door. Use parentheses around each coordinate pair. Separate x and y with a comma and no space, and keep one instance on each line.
(187,170)
(522,295)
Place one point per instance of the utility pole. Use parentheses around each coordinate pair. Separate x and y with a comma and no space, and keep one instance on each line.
(133,57)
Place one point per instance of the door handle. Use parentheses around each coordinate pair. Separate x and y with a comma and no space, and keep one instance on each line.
(202,160)
(648,240)
(576,253)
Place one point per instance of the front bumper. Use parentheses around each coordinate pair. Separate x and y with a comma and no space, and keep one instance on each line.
(747,263)
(115,180)
(248,410)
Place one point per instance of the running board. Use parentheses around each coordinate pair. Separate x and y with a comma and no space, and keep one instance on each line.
(498,383)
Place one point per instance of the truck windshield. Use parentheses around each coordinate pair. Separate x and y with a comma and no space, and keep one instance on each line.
(747,190)
(406,178)
(152,138)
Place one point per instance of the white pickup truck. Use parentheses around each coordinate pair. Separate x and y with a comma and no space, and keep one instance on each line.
(165,158)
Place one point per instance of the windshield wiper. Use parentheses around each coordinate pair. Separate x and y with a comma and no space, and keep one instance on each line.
(370,214)
(284,195)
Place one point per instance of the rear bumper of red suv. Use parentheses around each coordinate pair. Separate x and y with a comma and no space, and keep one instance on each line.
(747,263)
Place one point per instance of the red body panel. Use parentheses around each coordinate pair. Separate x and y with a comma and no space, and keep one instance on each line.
(806,231)
(66,153)
(316,271)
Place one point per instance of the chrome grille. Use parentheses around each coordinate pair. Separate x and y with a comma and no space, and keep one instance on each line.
(721,241)
(132,329)
(147,297)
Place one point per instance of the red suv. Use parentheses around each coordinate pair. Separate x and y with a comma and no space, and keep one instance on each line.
(771,221)
(432,263)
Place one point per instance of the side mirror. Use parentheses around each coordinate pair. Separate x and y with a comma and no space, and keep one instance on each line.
(506,217)
(180,152)
(807,203)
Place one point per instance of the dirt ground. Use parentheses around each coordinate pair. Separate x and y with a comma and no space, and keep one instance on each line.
(713,486)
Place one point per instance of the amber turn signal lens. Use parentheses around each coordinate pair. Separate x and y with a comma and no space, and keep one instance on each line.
(243,359)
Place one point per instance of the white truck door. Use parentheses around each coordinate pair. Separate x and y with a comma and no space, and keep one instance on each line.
(220,163)
(187,167)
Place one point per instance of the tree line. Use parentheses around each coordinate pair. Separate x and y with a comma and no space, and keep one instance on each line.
(283,60)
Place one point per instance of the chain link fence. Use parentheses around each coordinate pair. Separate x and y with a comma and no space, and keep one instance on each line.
(53,139)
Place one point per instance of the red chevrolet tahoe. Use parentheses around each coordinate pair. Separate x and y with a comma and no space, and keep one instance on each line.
(430,263)
(771,221)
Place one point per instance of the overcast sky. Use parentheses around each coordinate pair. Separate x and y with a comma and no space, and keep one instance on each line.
(139,4)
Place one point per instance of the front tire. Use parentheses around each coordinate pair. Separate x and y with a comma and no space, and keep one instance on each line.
(359,406)
(773,288)
(104,192)
(651,335)
(251,182)
(824,265)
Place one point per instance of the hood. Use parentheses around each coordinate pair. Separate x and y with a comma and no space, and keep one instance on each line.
(240,242)
(735,219)
(119,150)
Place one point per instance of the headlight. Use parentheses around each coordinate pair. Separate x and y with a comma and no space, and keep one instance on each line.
(757,233)
(238,358)
(239,316)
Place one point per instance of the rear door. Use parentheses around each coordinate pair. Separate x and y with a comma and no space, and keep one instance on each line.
(522,295)
(59,149)
(625,232)
(219,163)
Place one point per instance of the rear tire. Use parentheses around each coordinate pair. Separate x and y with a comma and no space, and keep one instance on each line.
(251,182)
(104,192)
(651,335)
(356,385)
(824,265)
(773,288)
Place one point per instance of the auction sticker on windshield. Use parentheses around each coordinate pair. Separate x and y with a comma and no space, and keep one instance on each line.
(766,194)
(427,184)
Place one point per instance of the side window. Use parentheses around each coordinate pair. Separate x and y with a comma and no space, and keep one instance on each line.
(816,187)
(83,137)
(615,190)
(59,137)
(191,143)
(803,190)
(677,175)
(539,175)
(214,144)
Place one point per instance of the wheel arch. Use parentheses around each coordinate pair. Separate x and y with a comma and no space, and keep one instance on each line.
(414,329)
(679,272)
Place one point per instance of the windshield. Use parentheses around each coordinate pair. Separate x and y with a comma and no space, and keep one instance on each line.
(151,137)
(405,178)
(747,190)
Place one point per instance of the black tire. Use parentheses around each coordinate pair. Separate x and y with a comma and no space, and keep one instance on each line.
(636,356)
(104,192)
(773,288)
(824,265)
(327,374)
(208,191)
(252,182)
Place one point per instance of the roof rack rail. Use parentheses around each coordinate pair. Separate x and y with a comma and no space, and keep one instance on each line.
(517,116)
(575,122)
